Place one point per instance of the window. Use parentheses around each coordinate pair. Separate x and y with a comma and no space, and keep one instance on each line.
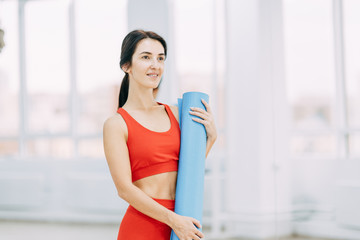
(351,20)
(55,100)
(47,68)
(98,73)
(309,48)
(9,81)
(98,49)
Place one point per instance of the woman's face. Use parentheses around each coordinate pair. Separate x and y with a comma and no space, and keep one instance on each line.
(147,64)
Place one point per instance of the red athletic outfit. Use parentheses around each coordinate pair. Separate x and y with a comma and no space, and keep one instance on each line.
(150,153)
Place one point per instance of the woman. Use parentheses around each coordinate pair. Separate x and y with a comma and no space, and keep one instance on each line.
(142,145)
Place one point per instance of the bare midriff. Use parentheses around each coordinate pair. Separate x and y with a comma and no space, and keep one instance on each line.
(160,186)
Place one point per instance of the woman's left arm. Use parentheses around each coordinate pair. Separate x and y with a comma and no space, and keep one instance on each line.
(207,119)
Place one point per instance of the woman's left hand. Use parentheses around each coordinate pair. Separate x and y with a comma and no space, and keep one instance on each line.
(206,118)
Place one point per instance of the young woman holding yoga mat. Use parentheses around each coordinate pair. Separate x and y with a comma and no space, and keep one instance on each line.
(142,143)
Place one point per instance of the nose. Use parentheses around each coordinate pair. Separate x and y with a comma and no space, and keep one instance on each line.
(154,63)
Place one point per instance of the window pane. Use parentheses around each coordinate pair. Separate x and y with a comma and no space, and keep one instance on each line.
(194,36)
(101,27)
(9,70)
(311,113)
(313,146)
(9,148)
(308,32)
(47,65)
(91,148)
(48,113)
(95,107)
(354,145)
(352,61)
(54,148)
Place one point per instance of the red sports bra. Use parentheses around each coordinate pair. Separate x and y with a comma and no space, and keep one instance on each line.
(152,152)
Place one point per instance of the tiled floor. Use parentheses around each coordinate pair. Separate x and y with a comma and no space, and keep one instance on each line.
(12,230)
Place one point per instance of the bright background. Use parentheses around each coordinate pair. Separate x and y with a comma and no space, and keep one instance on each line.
(286,81)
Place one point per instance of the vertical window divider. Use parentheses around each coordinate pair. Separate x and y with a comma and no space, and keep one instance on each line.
(23,97)
(73,106)
(341,103)
(214,173)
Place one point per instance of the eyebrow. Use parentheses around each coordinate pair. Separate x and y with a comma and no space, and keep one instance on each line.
(151,53)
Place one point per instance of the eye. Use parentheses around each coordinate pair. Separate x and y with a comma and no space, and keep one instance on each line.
(145,57)
(161,59)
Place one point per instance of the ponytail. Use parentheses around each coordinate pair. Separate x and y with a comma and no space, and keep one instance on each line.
(124,90)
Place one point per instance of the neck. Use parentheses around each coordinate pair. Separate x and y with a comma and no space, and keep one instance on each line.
(140,98)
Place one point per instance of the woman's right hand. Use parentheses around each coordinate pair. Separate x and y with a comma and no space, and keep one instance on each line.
(184,227)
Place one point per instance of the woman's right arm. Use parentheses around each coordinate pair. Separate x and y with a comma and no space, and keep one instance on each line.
(117,156)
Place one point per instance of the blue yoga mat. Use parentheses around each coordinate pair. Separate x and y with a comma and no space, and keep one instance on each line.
(191,171)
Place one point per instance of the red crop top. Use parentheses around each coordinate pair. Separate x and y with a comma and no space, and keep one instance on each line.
(152,152)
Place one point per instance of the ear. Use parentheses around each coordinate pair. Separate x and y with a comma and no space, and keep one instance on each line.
(126,67)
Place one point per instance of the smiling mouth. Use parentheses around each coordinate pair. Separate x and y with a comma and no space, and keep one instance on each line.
(152,75)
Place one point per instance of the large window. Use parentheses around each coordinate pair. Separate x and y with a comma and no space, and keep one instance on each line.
(98,75)
(46,80)
(351,9)
(55,99)
(312,73)
(9,81)
(47,68)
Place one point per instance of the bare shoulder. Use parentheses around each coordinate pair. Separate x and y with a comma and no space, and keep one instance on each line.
(175,111)
(115,123)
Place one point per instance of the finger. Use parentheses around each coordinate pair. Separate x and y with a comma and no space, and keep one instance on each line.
(205,123)
(196,223)
(199,110)
(207,106)
(200,235)
(202,115)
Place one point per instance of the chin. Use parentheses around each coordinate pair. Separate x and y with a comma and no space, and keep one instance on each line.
(155,84)
(152,86)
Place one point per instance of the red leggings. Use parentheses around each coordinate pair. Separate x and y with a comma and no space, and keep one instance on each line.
(137,226)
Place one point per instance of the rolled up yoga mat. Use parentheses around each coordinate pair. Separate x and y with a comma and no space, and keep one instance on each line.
(191,171)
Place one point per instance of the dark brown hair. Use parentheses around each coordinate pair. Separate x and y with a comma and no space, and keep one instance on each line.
(127,50)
